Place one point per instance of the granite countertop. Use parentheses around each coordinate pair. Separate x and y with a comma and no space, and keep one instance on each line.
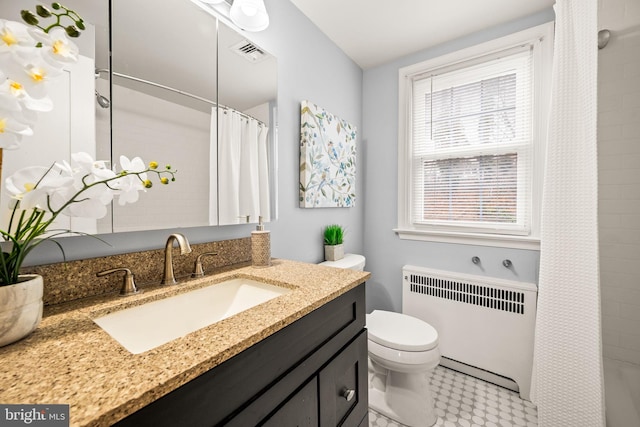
(70,360)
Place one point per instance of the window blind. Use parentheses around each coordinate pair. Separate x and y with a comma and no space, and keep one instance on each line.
(472,144)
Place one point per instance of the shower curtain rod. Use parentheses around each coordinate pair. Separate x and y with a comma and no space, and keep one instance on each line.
(181,92)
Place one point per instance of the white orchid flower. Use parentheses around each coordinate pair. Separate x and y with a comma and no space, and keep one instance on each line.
(16,41)
(34,185)
(56,46)
(14,97)
(129,186)
(35,76)
(83,189)
(93,200)
(63,188)
(96,168)
(134,165)
(12,130)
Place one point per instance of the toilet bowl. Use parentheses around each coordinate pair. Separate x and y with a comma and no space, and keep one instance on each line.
(402,351)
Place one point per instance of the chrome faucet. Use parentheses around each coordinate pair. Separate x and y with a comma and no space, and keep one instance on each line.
(168,278)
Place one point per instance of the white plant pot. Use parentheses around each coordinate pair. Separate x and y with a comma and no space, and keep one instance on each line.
(333,252)
(20,308)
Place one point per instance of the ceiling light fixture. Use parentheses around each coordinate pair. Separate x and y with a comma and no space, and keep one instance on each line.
(250,15)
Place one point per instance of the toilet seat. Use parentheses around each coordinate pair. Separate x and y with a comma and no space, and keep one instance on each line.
(401,332)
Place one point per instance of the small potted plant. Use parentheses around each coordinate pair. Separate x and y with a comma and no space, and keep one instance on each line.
(333,248)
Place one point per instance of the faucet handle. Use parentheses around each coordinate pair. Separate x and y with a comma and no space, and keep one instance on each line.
(198,271)
(128,283)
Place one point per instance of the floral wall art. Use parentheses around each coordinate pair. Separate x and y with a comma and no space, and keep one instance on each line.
(327,159)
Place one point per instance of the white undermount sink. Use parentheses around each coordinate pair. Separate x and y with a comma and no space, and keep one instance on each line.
(150,325)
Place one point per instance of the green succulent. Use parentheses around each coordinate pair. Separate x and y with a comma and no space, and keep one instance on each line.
(333,235)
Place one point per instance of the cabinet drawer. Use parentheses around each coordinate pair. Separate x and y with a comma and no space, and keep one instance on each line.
(343,386)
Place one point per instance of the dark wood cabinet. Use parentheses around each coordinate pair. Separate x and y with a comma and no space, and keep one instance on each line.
(301,409)
(311,373)
(343,385)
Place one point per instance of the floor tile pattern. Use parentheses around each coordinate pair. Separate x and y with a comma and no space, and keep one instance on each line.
(465,401)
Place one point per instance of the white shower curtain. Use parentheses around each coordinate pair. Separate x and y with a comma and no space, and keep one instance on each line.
(242,168)
(568,351)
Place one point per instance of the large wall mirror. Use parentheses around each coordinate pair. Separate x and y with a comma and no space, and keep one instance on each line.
(181,88)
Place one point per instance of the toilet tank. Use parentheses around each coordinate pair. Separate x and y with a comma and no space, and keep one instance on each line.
(350,261)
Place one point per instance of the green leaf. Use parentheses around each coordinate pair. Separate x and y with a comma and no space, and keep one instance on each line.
(333,235)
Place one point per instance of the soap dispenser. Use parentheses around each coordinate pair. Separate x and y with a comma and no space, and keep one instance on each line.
(260,246)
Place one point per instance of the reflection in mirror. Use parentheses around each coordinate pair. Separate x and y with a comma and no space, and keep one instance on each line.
(247,91)
(134,114)
(70,126)
(165,108)
(171,57)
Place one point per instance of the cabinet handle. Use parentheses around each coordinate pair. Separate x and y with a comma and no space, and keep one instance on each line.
(348,394)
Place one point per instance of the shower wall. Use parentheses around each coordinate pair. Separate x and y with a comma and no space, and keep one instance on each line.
(619,178)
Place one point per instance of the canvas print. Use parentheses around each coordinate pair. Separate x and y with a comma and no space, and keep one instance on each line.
(327,159)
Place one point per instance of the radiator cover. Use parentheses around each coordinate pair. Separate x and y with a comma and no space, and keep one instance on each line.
(484,322)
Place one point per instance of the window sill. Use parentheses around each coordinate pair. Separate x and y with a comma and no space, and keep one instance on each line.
(496,240)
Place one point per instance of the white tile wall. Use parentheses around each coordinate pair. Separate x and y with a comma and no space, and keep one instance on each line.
(149,127)
(619,178)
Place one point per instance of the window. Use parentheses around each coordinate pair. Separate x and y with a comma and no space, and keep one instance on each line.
(472,144)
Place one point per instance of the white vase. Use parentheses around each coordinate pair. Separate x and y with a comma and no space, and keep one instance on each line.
(333,252)
(20,308)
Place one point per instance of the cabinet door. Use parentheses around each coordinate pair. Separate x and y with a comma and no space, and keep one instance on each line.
(343,386)
(301,409)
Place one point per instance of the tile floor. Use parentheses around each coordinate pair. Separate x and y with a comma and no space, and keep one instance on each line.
(465,401)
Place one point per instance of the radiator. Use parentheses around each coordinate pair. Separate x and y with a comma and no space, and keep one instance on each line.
(482,322)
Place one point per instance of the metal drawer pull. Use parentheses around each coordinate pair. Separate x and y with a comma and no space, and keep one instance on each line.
(348,394)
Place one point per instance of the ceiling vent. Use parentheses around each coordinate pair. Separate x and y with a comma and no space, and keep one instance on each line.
(249,51)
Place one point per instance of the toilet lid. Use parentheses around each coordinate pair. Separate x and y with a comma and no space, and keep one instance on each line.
(400,331)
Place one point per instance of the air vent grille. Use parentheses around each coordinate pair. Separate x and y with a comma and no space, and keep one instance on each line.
(249,51)
(468,293)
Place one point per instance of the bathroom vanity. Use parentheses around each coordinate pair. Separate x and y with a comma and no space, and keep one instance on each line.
(311,373)
(298,359)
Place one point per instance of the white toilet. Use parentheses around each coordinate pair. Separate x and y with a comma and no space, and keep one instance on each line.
(402,351)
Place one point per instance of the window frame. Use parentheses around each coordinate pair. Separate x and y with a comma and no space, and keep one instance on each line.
(541,37)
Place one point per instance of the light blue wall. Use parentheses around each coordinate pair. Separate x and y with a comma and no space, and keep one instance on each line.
(385,252)
(310,67)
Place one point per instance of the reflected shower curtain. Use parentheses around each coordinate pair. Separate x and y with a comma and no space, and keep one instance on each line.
(568,351)
(242,168)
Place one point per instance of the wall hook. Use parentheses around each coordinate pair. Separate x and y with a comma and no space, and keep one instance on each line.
(475,260)
(507,263)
